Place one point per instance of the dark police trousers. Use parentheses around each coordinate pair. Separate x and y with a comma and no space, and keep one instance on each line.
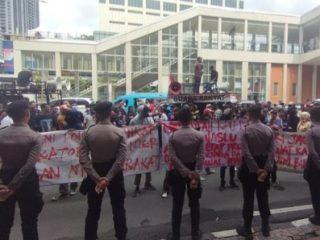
(179,184)
(223,175)
(314,186)
(251,185)
(30,203)
(137,179)
(117,194)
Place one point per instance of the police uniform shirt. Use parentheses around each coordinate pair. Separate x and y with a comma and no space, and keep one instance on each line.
(105,143)
(186,145)
(19,151)
(313,143)
(257,140)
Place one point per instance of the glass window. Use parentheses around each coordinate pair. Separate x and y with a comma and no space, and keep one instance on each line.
(278,38)
(170,7)
(241,5)
(152,4)
(202,1)
(232,34)
(209,35)
(135,3)
(118,2)
(258,36)
(216,2)
(294,89)
(184,7)
(102,1)
(275,89)
(293,39)
(231,3)
(186,0)
(232,75)
(311,39)
(257,81)
(117,22)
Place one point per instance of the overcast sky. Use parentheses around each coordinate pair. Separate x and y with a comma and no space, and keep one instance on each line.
(81,16)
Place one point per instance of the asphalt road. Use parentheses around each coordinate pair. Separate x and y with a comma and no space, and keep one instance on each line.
(148,215)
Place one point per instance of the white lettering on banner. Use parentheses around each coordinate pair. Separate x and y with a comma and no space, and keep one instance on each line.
(291,151)
(222,145)
(59,158)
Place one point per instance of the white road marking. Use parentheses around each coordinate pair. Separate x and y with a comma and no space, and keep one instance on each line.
(286,210)
(301,222)
(297,223)
(225,234)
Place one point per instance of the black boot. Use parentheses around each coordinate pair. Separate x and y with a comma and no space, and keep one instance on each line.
(265,228)
(245,231)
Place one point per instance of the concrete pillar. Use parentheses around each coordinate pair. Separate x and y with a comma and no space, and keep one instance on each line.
(199,32)
(128,59)
(270,38)
(299,87)
(244,83)
(219,68)
(219,33)
(94,77)
(57,63)
(180,52)
(314,82)
(17,62)
(301,39)
(285,83)
(286,33)
(268,82)
(110,92)
(246,35)
(161,81)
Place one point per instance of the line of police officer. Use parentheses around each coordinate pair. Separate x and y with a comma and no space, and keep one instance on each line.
(102,153)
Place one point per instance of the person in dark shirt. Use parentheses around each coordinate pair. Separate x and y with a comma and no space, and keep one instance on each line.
(44,121)
(293,120)
(34,112)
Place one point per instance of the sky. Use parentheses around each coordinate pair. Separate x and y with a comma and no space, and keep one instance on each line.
(81,16)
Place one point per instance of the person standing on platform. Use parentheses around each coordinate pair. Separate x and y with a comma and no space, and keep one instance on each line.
(102,153)
(257,145)
(19,152)
(312,170)
(186,151)
(198,71)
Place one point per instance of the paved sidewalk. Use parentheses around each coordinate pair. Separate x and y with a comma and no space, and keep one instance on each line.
(305,232)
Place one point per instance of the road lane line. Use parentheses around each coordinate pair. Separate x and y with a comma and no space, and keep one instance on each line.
(286,210)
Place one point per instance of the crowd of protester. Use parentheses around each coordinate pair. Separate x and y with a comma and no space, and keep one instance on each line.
(46,118)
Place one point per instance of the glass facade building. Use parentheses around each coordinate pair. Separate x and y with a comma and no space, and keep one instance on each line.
(257,55)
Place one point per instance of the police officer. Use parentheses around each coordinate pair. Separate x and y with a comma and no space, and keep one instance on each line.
(257,144)
(19,150)
(312,171)
(102,153)
(186,150)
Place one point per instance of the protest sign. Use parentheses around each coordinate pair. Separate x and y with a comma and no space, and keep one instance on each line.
(59,158)
(222,143)
(291,151)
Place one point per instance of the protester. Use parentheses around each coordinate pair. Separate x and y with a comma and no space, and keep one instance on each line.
(305,122)
(5,120)
(293,120)
(34,112)
(275,123)
(198,71)
(130,115)
(212,86)
(227,115)
(142,118)
(45,122)
(186,151)
(312,169)
(104,169)
(68,119)
(19,151)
